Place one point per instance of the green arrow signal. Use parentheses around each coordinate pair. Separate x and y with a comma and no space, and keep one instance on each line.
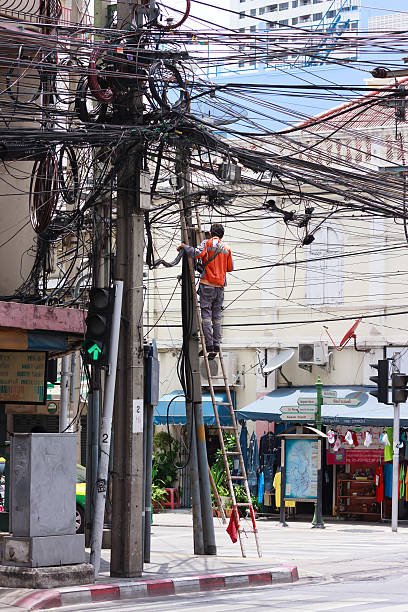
(95,351)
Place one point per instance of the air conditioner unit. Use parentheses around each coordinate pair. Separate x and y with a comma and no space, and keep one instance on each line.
(230,364)
(313,353)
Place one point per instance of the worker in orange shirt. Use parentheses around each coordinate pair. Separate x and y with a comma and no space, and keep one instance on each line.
(216,260)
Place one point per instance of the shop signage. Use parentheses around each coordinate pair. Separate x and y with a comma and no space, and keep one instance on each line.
(346,455)
(346,401)
(23,377)
(305,401)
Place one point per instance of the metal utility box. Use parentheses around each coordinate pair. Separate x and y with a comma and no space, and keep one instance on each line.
(43,481)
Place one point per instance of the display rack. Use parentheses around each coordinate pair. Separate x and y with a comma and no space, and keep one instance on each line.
(356,497)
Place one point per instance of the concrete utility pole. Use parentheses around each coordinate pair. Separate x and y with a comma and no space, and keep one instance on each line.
(203,525)
(128,502)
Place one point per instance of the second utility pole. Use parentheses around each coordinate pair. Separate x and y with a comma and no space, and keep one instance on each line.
(203,525)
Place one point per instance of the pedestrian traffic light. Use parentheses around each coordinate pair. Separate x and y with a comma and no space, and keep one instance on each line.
(399,388)
(98,327)
(381,380)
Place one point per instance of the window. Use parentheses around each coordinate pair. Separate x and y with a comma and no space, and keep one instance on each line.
(284,6)
(253,12)
(283,22)
(241,1)
(241,30)
(317,16)
(271,8)
(294,3)
(317,1)
(241,64)
(242,15)
(295,20)
(324,277)
(304,2)
(330,14)
(262,10)
(252,29)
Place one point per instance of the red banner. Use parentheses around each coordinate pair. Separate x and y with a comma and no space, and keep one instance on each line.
(354,456)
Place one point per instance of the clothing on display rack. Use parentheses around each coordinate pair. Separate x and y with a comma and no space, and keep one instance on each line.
(269,468)
(388,443)
(379,483)
(243,441)
(401,481)
(388,479)
(253,464)
(277,481)
(261,487)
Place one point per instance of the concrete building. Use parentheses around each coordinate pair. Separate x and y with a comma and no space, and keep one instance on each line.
(350,269)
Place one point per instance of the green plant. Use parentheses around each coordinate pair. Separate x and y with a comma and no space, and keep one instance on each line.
(158,495)
(165,448)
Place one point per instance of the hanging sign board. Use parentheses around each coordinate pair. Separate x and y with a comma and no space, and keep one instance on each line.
(23,377)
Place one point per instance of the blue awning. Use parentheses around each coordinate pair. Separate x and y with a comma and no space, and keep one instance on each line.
(367,412)
(177,411)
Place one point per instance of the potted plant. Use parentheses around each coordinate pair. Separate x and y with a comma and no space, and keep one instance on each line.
(158,497)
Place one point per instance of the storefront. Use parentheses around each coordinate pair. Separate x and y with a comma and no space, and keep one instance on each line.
(357,459)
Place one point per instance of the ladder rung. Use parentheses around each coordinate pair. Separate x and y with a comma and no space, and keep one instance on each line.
(232,453)
(228,428)
(222,404)
(246,504)
(237,477)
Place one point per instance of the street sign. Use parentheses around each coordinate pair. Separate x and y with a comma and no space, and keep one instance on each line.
(298,409)
(305,401)
(300,416)
(347,401)
(329,393)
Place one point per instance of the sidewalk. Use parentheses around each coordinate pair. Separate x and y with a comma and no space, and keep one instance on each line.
(344,549)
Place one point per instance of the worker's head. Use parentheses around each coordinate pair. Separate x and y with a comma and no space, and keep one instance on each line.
(217,230)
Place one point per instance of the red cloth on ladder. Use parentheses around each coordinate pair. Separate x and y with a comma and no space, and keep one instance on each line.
(233,526)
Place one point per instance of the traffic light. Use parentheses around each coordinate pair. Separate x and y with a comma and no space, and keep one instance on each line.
(399,388)
(98,327)
(381,380)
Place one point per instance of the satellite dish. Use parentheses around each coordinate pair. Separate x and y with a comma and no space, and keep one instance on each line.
(350,332)
(278,361)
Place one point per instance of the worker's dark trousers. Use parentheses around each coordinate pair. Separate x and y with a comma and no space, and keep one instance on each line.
(211,301)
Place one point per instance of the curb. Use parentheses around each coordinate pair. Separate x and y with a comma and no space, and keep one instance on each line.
(67,596)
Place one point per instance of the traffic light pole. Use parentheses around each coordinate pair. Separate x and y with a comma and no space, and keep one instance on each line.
(106,430)
(395,468)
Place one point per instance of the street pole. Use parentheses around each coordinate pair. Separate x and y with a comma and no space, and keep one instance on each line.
(317,521)
(395,468)
(106,432)
(127,493)
(65,378)
(204,543)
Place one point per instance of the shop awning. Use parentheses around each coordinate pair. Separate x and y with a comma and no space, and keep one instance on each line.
(177,411)
(367,412)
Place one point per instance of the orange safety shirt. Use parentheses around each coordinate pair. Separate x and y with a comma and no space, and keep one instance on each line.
(216,270)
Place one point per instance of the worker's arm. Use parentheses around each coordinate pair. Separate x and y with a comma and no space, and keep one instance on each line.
(230,263)
(195,252)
